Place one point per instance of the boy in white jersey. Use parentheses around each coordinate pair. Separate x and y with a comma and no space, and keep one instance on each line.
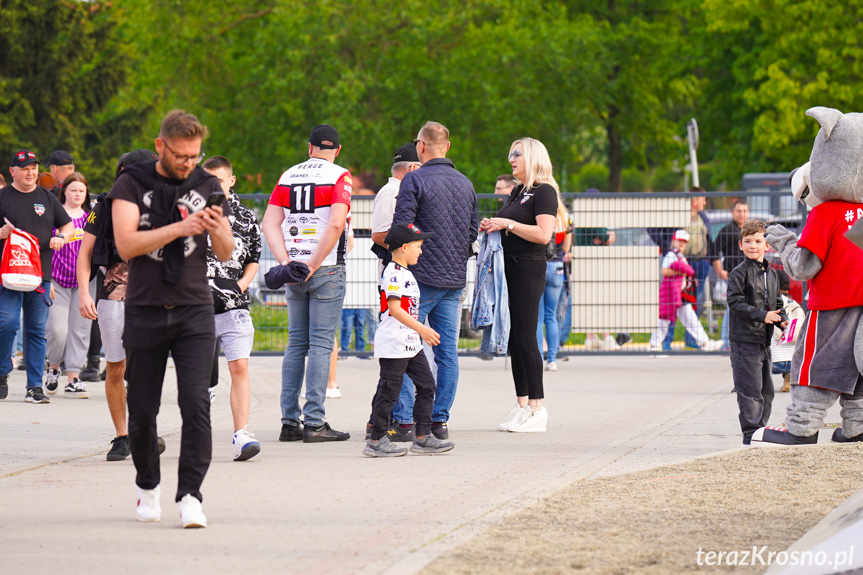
(399,349)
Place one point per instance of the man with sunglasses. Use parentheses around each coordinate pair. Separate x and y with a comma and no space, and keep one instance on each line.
(161,216)
(440,199)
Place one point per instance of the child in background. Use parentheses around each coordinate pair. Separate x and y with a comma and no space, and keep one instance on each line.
(782,347)
(675,272)
(399,349)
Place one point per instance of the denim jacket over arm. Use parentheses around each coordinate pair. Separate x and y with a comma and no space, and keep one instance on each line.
(490,309)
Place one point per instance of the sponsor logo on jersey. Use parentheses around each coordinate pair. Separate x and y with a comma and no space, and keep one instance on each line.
(294,252)
(309,231)
(392,287)
(294,231)
(306,253)
(304,220)
(39,209)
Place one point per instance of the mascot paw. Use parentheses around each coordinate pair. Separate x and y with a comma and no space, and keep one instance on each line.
(779,436)
(839,438)
(778,237)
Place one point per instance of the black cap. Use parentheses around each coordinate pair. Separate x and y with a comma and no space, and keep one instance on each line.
(401,234)
(324,132)
(60,158)
(23,158)
(407,153)
(133,157)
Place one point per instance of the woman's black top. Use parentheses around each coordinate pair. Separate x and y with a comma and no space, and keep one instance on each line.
(523,206)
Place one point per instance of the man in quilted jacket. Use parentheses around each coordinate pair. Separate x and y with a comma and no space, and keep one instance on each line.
(439,199)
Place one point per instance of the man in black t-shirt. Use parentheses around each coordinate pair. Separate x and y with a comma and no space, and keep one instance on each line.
(160,222)
(29,207)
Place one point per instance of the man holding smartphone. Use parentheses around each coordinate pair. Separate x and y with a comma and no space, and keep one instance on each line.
(161,224)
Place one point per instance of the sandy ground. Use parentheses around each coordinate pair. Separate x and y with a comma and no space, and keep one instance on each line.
(656,521)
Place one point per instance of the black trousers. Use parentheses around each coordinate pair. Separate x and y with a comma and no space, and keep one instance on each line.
(389,386)
(525,282)
(188,334)
(95,334)
(751,366)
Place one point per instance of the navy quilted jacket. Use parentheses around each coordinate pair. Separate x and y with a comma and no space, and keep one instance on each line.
(440,199)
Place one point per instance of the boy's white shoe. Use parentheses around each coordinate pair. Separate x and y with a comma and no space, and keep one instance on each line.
(552,366)
(334,393)
(516,416)
(713,345)
(149,508)
(610,344)
(245,445)
(535,422)
(191,514)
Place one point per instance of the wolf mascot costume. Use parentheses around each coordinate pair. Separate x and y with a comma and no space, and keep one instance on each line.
(828,358)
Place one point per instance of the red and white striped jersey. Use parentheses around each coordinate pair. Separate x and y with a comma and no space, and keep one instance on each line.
(307,192)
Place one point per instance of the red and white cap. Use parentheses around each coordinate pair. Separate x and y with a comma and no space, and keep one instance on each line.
(681,235)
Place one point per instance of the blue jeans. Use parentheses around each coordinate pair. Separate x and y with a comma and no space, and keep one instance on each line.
(353,319)
(35,306)
(725,325)
(548,304)
(441,307)
(314,307)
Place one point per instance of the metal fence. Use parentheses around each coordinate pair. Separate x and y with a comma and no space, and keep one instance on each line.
(613,278)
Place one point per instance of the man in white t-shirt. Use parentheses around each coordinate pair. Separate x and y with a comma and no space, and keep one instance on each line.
(405,160)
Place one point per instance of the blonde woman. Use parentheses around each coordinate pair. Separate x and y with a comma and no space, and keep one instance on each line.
(527,221)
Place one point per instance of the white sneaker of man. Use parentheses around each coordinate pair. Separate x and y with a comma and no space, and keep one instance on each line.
(149,508)
(191,514)
(535,422)
(245,444)
(713,345)
(610,344)
(516,416)
(551,366)
(334,393)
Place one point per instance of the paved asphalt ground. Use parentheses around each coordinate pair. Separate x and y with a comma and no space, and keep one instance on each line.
(324,508)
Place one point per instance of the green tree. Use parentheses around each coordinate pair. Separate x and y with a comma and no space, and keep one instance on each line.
(766,63)
(60,65)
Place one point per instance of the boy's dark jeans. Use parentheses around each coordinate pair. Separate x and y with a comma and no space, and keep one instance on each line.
(751,366)
(188,334)
(389,386)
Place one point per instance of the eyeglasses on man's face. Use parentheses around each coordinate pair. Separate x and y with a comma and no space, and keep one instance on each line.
(184,159)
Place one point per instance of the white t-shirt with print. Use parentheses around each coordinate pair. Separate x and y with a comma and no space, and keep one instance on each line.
(393,339)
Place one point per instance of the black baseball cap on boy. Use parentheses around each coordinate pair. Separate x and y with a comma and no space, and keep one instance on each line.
(407,153)
(23,158)
(324,132)
(401,234)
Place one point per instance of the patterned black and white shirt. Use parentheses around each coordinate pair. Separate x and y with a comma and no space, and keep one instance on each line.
(223,276)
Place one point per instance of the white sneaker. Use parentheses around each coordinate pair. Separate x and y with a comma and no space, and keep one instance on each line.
(212,391)
(333,393)
(535,422)
(191,514)
(654,347)
(516,416)
(610,344)
(713,345)
(149,508)
(245,445)
(593,343)
(552,366)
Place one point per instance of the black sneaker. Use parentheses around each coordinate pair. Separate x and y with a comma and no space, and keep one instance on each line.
(91,371)
(838,437)
(120,449)
(440,430)
(323,433)
(399,434)
(51,381)
(291,432)
(35,395)
(4,386)
(782,437)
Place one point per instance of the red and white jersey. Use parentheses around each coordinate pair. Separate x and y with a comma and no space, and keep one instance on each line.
(393,339)
(307,193)
(839,284)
